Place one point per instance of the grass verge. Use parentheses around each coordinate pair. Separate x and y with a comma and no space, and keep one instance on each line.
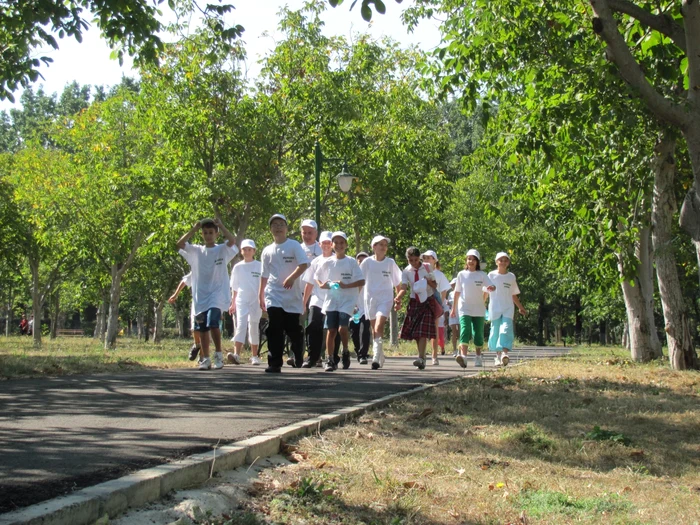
(589,438)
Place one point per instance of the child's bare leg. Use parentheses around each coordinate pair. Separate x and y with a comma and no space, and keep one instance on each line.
(477,350)
(237,347)
(463,349)
(344,337)
(197,338)
(204,338)
(378,326)
(216,338)
(455,337)
(330,343)
(422,343)
(254,349)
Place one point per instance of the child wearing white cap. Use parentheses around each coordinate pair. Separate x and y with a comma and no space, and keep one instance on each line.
(245,285)
(382,275)
(341,277)
(443,286)
(314,296)
(309,234)
(501,309)
(469,303)
(281,293)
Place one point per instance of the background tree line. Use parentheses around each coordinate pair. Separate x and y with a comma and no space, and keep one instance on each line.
(516,135)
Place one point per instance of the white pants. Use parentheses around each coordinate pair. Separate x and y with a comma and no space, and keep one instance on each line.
(248,315)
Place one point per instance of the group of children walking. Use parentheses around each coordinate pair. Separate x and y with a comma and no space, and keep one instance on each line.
(338,294)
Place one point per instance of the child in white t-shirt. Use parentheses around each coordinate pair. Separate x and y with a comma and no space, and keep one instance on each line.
(382,275)
(210,291)
(453,322)
(342,279)
(281,293)
(186,282)
(501,309)
(469,303)
(314,296)
(245,285)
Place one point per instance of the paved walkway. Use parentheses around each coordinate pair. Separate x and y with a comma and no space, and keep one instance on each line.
(59,434)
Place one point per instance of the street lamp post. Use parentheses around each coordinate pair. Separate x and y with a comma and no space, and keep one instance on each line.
(344,178)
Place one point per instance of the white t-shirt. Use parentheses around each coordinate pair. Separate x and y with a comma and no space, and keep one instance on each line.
(346,270)
(209,275)
(278,262)
(318,295)
(381,277)
(312,250)
(470,286)
(501,301)
(245,281)
(408,277)
(187,279)
(443,285)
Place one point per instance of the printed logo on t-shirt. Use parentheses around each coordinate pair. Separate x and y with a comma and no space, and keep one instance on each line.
(386,273)
(346,275)
(478,283)
(255,274)
(219,261)
(288,258)
(506,285)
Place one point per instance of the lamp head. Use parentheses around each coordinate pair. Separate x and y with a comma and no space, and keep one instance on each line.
(345,178)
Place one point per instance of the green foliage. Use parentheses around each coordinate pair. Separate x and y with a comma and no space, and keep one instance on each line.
(533,438)
(130,26)
(599,434)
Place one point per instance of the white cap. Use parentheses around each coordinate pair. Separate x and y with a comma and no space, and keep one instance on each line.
(248,243)
(277,216)
(339,234)
(309,223)
(431,253)
(502,254)
(361,254)
(325,236)
(453,281)
(379,238)
(474,252)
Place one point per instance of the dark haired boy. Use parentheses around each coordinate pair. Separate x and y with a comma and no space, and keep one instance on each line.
(210,290)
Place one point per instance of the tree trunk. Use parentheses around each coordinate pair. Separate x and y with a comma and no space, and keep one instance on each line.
(101,322)
(55,309)
(640,340)
(158,320)
(578,327)
(646,279)
(113,318)
(603,333)
(625,335)
(541,321)
(140,330)
(681,351)
(8,317)
(37,301)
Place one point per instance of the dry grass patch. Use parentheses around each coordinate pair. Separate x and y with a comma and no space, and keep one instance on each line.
(84,355)
(516,446)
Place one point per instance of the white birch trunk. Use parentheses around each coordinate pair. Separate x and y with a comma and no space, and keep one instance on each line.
(681,351)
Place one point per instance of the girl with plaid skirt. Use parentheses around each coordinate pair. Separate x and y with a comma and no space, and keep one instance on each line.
(419,324)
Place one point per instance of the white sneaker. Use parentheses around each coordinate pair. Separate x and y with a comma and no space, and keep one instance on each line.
(205,364)
(234,359)
(436,361)
(461,360)
(477,361)
(255,360)
(497,361)
(218,360)
(505,359)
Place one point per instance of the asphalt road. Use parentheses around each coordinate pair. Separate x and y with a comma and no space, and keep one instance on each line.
(61,434)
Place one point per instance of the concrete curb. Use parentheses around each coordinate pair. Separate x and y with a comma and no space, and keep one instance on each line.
(86,506)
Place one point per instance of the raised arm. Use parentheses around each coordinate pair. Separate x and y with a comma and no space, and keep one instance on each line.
(183,240)
(227,234)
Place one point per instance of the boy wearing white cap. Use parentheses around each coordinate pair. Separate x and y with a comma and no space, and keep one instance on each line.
(382,275)
(341,276)
(469,303)
(314,296)
(501,309)
(443,286)
(309,234)
(210,291)
(281,293)
(245,285)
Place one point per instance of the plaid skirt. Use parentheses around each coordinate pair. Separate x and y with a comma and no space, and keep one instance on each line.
(419,322)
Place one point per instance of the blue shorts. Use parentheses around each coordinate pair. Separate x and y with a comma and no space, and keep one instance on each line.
(205,321)
(502,334)
(335,320)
